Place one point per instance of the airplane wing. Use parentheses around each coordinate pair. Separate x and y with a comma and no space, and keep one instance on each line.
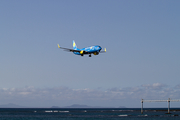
(69,50)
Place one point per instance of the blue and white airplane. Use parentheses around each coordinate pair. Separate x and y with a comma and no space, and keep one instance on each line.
(88,50)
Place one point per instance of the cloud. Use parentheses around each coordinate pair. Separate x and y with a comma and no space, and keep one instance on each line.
(177,86)
(65,95)
(157,86)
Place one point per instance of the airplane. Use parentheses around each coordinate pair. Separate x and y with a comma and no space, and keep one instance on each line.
(88,50)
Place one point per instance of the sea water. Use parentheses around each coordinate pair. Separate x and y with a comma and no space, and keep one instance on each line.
(88,114)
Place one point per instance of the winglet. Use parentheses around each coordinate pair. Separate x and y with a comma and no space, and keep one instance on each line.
(58,46)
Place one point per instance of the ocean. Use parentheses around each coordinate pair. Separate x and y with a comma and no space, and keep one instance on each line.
(88,114)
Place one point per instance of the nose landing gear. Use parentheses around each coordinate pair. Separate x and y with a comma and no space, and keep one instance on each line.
(89,55)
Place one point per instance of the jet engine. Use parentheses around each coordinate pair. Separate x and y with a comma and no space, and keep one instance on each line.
(95,53)
(82,51)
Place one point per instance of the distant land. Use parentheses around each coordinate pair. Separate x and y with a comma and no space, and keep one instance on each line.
(11,105)
(80,106)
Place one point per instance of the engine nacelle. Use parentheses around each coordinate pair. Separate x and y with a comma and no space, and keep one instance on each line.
(82,51)
(95,53)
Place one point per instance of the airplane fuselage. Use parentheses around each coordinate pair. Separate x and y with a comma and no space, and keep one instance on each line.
(89,50)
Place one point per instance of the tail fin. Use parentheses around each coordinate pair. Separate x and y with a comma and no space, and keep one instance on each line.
(74,45)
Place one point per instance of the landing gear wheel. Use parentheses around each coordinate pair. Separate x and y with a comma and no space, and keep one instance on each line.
(90,55)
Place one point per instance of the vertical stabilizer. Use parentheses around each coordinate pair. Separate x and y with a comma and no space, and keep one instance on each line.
(74,45)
